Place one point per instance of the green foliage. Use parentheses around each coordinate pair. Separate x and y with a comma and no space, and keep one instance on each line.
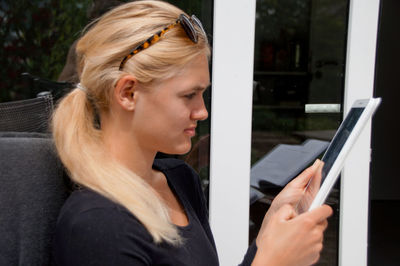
(36,36)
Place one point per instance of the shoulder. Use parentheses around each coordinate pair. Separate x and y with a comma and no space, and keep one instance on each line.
(87,206)
(90,226)
(85,201)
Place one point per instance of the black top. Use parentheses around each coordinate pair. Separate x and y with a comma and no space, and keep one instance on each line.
(93,230)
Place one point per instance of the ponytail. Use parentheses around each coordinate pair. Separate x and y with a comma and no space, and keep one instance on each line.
(81,149)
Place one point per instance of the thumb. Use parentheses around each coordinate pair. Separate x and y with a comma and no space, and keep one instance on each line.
(286,213)
(319,214)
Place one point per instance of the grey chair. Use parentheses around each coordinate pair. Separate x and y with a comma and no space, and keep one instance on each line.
(30,115)
(33,187)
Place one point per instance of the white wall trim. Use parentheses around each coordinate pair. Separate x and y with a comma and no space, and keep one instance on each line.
(359,83)
(233,52)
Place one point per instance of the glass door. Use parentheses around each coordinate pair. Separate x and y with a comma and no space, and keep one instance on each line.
(312,59)
(298,88)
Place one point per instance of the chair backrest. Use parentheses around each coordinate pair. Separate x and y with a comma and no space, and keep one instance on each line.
(56,88)
(30,115)
(33,187)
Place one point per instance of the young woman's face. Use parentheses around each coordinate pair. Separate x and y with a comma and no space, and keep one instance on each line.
(166,116)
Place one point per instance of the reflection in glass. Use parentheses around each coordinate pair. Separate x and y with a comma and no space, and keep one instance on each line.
(299,59)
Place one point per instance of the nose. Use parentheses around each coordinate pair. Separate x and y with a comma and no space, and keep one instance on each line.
(200,113)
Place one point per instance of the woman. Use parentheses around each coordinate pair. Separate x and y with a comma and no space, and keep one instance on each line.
(130,104)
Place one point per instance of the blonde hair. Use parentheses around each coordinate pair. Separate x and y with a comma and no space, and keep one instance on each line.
(100,51)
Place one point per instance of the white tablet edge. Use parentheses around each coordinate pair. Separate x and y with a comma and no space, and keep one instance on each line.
(339,162)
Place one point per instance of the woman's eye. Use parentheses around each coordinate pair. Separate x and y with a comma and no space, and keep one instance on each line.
(190,96)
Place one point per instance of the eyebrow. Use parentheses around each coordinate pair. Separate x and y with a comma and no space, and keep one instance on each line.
(198,88)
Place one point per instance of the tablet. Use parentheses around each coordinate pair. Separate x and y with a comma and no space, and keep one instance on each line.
(337,151)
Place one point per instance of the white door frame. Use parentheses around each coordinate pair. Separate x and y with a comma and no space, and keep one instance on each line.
(231,111)
(359,84)
(233,52)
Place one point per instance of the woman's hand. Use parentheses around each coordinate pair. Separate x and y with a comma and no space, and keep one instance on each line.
(296,194)
(289,239)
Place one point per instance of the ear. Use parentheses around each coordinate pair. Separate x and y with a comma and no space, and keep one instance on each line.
(124,92)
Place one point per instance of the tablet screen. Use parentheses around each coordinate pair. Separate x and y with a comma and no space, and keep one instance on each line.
(329,157)
(339,140)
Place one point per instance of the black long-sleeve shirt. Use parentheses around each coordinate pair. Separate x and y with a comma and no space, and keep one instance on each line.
(93,230)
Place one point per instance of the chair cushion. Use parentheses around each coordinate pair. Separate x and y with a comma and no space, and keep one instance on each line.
(32,191)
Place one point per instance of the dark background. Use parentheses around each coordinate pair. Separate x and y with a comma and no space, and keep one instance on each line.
(384,231)
(35,37)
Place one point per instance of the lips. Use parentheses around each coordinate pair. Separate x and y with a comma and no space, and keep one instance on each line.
(191,131)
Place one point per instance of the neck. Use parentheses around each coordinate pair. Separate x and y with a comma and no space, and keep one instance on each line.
(123,146)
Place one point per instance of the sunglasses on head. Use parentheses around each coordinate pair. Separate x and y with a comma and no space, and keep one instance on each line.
(188,24)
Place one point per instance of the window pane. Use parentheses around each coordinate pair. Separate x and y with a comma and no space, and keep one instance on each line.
(298,66)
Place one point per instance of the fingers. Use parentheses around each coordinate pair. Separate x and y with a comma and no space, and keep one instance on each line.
(318,215)
(294,240)
(302,179)
(286,212)
(316,180)
(323,225)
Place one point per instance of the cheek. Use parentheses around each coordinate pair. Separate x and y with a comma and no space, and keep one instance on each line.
(175,114)
(164,121)
(161,123)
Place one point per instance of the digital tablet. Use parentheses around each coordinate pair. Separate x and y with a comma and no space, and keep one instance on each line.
(337,151)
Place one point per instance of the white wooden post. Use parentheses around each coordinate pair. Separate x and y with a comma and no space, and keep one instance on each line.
(359,83)
(232,81)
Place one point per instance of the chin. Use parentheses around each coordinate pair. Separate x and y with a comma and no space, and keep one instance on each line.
(179,150)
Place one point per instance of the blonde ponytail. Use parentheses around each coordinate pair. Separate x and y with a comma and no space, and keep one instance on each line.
(80,148)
